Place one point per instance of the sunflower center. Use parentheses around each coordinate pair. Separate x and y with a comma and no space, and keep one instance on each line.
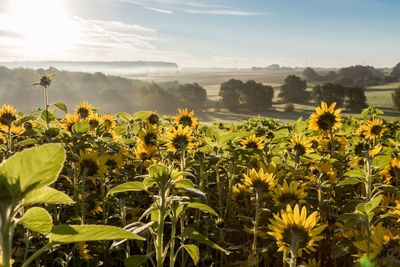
(376,129)
(296,236)
(326,121)
(112,164)
(186,121)
(90,167)
(83,113)
(180,142)
(288,198)
(252,144)
(299,149)
(153,119)
(7,118)
(93,123)
(150,139)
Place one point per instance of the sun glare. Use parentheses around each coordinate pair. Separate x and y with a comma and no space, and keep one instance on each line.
(44,25)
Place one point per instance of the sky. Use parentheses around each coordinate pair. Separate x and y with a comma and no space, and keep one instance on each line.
(204,33)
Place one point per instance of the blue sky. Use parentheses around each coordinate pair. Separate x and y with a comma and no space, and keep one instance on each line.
(200,33)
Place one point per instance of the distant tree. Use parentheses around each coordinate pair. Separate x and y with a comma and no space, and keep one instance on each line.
(395,74)
(358,74)
(396,98)
(294,89)
(355,100)
(329,93)
(152,96)
(330,76)
(230,92)
(191,96)
(256,96)
(311,75)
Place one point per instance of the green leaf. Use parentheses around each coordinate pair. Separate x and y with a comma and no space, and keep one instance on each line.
(80,127)
(349,181)
(193,234)
(37,220)
(381,161)
(47,195)
(33,168)
(50,116)
(61,106)
(193,251)
(184,183)
(355,173)
(203,208)
(135,261)
(83,233)
(141,115)
(127,187)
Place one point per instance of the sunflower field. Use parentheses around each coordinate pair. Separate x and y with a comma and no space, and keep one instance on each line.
(94,189)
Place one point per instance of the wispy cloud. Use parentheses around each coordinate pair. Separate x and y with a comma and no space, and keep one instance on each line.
(222,12)
(159,10)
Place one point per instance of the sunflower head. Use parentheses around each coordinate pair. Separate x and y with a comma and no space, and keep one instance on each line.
(84,110)
(240,196)
(91,164)
(260,181)
(300,145)
(109,122)
(391,174)
(94,120)
(186,118)
(288,194)
(294,231)
(253,142)
(371,129)
(114,161)
(179,138)
(153,118)
(83,251)
(149,136)
(325,118)
(7,115)
(145,152)
(69,121)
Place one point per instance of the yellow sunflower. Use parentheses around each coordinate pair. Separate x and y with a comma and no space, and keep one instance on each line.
(374,151)
(379,236)
(325,118)
(179,138)
(94,120)
(147,154)
(340,143)
(83,251)
(253,142)
(300,145)
(240,196)
(371,129)
(92,164)
(114,161)
(7,115)
(389,202)
(113,135)
(149,136)
(3,139)
(325,169)
(312,262)
(260,181)
(186,118)
(153,118)
(69,121)
(84,110)
(391,174)
(109,121)
(295,231)
(288,194)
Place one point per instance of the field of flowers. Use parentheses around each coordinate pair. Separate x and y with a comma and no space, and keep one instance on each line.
(95,189)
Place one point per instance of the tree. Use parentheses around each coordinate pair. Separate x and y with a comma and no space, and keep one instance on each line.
(191,96)
(395,74)
(396,98)
(230,93)
(329,93)
(311,75)
(294,89)
(356,100)
(256,96)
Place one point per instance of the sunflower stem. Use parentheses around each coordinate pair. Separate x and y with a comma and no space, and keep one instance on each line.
(9,139)
(293,259)
(46,105)
(253,257)
(332,141)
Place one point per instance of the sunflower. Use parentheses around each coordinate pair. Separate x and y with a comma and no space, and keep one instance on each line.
(113,135)
(179,138)
(149,136)
(94,120)
(288,194)
(186,118)
(391,173)
(153,118)
(312,262)
(114,161)
(260,181)
(240,196)
(7,115)
(325,118)
(300,145)
(84,110)
(340,143)
(371,129)
(253,142)
(294,231)
(388,202)
(109,121)
(380,236)
(374,151)
(146,153)
(69,121)
(92,164)
(3,139)
(83,251)
(326,171)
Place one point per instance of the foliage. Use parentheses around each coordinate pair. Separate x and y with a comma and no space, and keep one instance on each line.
(396,98)
(294,89)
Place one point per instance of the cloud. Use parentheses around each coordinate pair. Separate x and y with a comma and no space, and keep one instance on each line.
(222,12)
(159,10)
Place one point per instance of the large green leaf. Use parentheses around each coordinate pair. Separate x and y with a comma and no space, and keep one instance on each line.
(194,235)
(135,261)
(193,251)
(127,187)
(202,207)
(33,168)
(82,233)
(37,220)
(61,106)
(47,195)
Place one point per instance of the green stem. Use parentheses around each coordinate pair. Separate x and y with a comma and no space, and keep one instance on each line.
(293,259)
(172,246)
(37,254)
(254,256)
(46,107)
(9,140)
(332,142)
(160,229)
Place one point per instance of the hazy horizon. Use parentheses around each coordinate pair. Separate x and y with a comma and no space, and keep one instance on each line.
(204,34)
